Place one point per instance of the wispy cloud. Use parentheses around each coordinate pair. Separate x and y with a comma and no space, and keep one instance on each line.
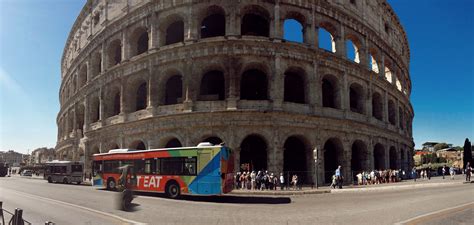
(9,85)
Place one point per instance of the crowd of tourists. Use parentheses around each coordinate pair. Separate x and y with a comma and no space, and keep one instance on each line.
(263,180)
(379,176)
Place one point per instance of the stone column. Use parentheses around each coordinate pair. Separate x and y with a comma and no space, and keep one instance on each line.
(104,58)
(125,46)
(382,66)
(345,98)
(232,95)
(190,27)
(385,106)
(101,107)
(314,97)
(150,83)
(86,115)
(311,30)
(277,79)
(341,43)
(189,94)
(276,31)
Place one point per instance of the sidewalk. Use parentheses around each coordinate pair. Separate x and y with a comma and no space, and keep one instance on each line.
(84,182)
(404,184)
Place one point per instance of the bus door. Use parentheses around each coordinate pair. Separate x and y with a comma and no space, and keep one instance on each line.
(209,179)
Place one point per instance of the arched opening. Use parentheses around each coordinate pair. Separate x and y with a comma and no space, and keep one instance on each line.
(96,64)
(379,157)
(293,30)
(95,110)
(142,43)
(295,161)
(174,90)
(391,112)
(393,158)
(80,119)
(352,51)
(116,104)
(138,145)
(333,157)
(94,150)
(82,79)
(214,24)
(330,92)
(212,86)
(377,106)
(356,98)
(141,97)
(253,152)
(255,22)
(360,157)
(173,143)
(326,40)
(115,53)
(253,85)
(374,66)
(398,84)
(400,117)
(213,140)
(175,33)
(294,87)
(388,74)
(114,146)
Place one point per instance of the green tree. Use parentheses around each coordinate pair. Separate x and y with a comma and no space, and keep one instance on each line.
(467,153)
(440,146)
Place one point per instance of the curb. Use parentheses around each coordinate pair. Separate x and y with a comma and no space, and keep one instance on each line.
(277,193)
(410,186)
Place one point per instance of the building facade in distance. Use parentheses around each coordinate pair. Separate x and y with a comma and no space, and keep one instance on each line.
(151,74)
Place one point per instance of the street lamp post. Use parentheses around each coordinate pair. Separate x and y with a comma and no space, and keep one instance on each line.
(315,157)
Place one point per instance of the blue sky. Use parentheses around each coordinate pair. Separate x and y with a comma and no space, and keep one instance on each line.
(33,34)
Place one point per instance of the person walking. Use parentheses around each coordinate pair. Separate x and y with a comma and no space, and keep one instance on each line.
(429,173)
(282,181)
(339,177)
(451,172)
(468,172)
(414,174)
(443,170)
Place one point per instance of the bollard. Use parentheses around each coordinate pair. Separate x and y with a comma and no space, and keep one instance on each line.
(1,212)
(18,217)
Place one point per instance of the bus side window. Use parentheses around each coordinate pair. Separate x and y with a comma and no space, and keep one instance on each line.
(157,169)
(140,166)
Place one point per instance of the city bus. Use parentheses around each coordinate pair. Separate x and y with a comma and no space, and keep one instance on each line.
(64,171)
(202,170)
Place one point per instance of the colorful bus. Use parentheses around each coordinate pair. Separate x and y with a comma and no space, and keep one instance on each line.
(202,170)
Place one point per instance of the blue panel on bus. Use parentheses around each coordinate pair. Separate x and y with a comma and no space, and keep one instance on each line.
(208,181)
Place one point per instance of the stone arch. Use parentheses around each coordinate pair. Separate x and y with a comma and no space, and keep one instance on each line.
(353,47)
(255,21)
(94,109)
(174,90)
(254,85)
(80,118)
(298,20)
(139,41)
(172,29)
(136,93)
(112,101)
(393,158)
(333,157)
(253,150)
(379,157)
(114,52)
(141,96)
(374,65)
(213,140)
(392,112)
(377,106)
(360,160)
(327,34)
(173,143)
(357,98)
(213,24)
(96,63)
(330,92)
(388,73)
(138,145)
(113,146)
(295,85)
(295,157)
(82,76)
(212,87)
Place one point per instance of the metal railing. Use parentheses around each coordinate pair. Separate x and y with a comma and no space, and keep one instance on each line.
(16,218)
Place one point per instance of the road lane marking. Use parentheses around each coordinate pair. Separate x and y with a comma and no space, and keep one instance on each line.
(78,206)
(435,214)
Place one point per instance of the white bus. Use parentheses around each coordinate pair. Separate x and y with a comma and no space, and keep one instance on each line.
(64,171)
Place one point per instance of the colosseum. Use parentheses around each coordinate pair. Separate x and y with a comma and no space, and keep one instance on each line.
(148,74)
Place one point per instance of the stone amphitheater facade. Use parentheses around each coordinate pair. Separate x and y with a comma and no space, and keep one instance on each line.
(147,74)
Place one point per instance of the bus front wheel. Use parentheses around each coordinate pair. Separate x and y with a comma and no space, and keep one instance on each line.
(50,180)
(65,181)
(111,184)
(172,189)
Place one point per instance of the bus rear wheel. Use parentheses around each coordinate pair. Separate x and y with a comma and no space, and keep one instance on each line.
(111,184)
(172,189)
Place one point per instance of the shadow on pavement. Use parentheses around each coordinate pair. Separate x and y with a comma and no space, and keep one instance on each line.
(225,198)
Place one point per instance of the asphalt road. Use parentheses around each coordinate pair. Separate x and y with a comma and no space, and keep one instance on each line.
(80,204)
